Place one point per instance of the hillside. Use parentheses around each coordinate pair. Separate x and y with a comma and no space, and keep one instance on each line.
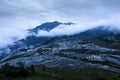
(94,48)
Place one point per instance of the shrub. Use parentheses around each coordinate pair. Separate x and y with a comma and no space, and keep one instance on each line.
(10,71)
(101,78)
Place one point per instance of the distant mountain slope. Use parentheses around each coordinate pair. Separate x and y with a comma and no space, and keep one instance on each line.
(97,47)
(102,35)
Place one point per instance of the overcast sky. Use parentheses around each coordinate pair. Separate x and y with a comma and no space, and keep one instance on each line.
(18,15)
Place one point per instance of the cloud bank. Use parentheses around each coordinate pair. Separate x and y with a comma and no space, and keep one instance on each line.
(68,29)
(16,16)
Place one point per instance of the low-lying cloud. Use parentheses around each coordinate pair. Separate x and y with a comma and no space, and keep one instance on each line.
(8,36)
(67,29)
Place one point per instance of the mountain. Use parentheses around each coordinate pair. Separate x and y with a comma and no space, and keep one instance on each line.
(97,47)
(48,26)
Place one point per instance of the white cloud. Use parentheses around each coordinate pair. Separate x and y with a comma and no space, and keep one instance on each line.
(69,29)
(10,35)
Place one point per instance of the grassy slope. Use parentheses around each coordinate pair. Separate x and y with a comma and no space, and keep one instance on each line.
(68,74)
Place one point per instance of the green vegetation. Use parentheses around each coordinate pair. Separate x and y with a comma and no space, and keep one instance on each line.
(14,73)
(8,72)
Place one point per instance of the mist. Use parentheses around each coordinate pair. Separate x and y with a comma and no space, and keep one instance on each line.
(63,29)
(16,16)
